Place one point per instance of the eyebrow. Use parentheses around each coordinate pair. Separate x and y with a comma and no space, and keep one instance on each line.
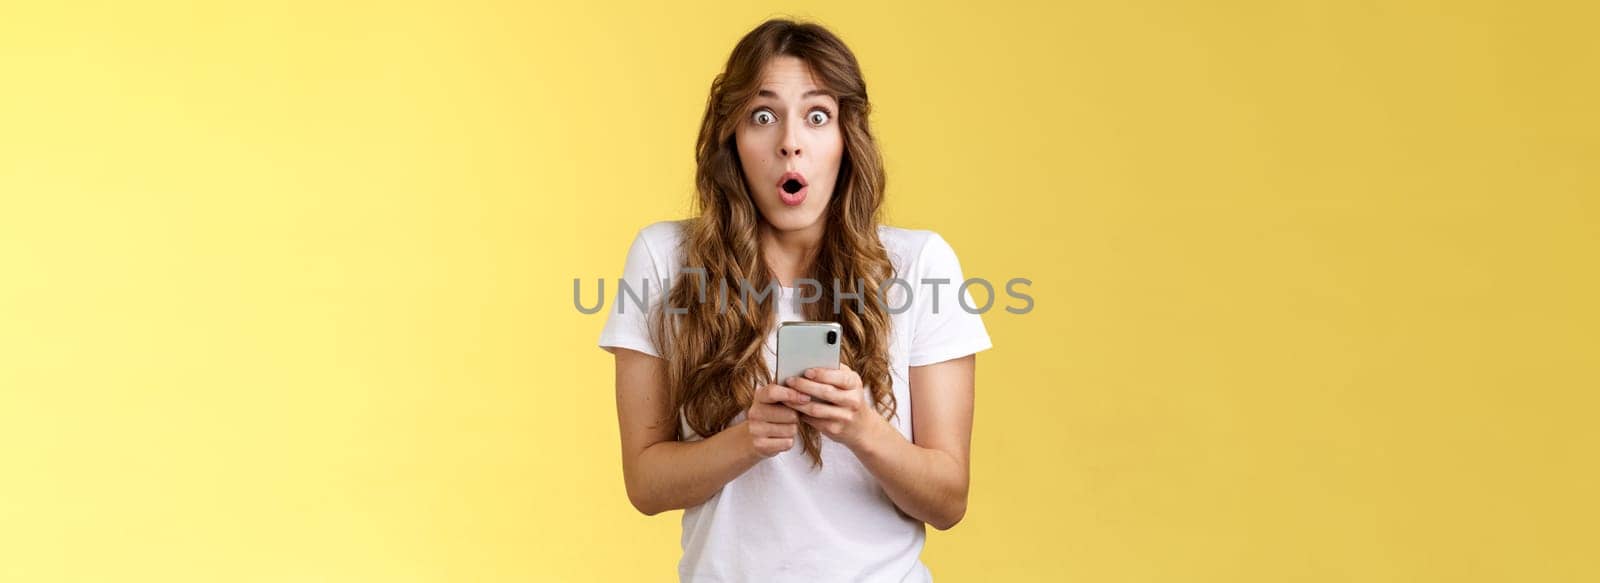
(769,93)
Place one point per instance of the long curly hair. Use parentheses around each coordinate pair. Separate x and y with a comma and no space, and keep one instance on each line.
(714,356)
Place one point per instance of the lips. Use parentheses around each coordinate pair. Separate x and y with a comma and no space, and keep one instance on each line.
(792,187)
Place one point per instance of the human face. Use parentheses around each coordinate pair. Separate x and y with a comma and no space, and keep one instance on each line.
(790,132)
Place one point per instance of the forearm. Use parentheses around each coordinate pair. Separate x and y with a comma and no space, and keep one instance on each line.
(927,484)
(679,474)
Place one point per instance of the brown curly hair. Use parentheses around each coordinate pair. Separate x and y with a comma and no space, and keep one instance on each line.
(714,357)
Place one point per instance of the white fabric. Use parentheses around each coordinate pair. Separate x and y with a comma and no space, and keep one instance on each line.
(783,521)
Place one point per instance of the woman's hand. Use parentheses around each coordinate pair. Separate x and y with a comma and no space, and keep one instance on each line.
(840,407)
(771,422)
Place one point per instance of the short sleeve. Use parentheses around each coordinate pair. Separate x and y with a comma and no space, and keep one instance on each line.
(627,321)
(941,329)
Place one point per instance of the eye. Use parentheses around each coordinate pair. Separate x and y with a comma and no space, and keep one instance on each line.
(763,117)
(819,116)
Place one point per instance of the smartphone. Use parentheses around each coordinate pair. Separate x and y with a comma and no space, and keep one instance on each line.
(803,345)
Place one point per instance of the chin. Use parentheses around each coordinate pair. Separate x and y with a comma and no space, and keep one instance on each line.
(786,218)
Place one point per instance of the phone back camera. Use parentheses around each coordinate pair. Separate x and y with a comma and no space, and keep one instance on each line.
(833,337)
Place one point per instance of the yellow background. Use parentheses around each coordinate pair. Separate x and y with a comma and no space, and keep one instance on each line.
(285,288)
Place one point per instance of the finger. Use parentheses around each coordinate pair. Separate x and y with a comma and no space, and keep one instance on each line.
(792,396)
(826,426)
(780,413)
(769,394)
(769,429)
(782,429)
(819,410)
(775,443)
(818,390)
(843,378)
(778,394)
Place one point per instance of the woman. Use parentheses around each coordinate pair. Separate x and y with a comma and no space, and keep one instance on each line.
(829,477)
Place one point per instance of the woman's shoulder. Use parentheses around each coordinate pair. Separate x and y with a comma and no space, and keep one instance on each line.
(893,236)
(662,239)
(906,246)
(664,234)
(655,249)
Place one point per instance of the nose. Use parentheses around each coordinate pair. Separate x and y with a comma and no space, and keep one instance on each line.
(790,144)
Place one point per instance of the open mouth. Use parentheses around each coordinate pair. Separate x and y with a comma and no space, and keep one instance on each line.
(793,186)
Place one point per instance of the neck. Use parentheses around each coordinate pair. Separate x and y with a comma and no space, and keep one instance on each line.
(789,253)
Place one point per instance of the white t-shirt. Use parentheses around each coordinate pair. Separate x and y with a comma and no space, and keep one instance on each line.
(782,520)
